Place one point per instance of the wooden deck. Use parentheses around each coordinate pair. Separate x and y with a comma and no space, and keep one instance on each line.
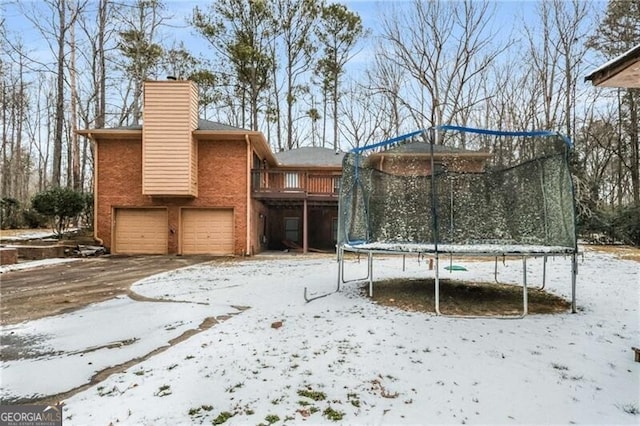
(295,184)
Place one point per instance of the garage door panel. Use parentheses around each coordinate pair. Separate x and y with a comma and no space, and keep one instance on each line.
(207,231)
(141,231)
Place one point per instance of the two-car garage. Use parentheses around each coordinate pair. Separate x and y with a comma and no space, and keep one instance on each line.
(147,231)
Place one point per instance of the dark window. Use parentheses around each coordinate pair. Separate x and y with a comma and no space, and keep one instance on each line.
(291,229)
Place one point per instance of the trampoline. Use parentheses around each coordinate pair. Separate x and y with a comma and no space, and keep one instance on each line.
(459,191)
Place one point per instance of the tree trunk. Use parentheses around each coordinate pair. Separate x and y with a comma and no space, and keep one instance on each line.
(335,114)
(59,110)
(634,144)
(75,143)
(102,69)
(5,140)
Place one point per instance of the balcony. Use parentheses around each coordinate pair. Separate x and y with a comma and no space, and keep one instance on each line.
(295,184)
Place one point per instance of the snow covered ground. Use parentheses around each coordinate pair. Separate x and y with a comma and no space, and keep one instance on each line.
(27,234)
(342,358)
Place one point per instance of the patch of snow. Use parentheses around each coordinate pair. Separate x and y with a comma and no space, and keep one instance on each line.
(459,248)
(30,235)
(374,364)
(35,264)
(69,349)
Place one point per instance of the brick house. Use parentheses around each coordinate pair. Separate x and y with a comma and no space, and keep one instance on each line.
(301,195)
(414,159)
(181,185)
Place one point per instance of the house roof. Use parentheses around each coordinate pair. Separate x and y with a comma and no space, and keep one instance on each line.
(213,125)
(622,71)
(423,148)
(202,125)
(207,130)
(310,156)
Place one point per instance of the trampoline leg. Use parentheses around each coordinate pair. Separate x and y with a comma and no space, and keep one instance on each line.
(340,266)
(370,273)
(437,287)
(574,273)
(308,299)
(525,301)
(341,271)
(544,272)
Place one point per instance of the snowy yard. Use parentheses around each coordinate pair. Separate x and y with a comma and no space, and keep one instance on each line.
(341,358)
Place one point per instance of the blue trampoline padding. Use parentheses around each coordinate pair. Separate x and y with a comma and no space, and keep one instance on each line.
(504,132)
(464,129)
(387,142)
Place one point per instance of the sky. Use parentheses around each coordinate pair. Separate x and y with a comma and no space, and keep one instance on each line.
(509,16)
(270,352)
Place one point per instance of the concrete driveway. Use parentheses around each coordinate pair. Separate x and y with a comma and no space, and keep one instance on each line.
(53,289)
(47,325)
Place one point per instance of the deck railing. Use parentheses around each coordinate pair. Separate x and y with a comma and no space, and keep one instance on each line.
(304,182)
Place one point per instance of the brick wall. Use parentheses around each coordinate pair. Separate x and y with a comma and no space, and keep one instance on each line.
(222,182)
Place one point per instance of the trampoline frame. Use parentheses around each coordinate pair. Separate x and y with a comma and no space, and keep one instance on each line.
(434,250)
(436,258)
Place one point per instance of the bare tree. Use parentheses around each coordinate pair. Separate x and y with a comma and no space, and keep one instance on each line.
(14,102)
(141,52)
(240,33)
(295,21)
(76,182)
(557,59)
(363,116)
(385,83)
(618,32)
(444,48)
(339,32)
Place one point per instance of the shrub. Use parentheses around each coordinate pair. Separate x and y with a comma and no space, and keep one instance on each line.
(610,225)
(60,206)
(33,219)
(9,208)
(627,224)
(86,217)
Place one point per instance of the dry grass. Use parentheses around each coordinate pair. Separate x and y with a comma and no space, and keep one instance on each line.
(620,251)
(464,298)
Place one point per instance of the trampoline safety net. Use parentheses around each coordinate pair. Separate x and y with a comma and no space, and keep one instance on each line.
(459,186)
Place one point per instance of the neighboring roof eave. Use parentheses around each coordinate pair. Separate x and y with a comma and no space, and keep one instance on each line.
(308,167)
(447,154)
(616,66)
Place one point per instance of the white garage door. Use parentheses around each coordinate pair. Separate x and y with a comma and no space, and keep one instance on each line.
(207,231)
(140,231)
